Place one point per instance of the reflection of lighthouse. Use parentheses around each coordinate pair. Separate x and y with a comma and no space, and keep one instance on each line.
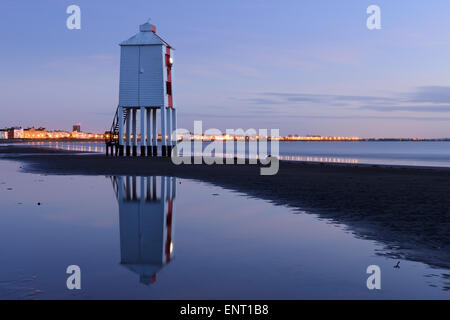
(146,223)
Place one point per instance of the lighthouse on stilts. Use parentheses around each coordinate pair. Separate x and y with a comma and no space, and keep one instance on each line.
(145,88)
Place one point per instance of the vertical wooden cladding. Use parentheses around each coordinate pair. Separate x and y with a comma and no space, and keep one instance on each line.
(151,82)
(129,80)
(141,76)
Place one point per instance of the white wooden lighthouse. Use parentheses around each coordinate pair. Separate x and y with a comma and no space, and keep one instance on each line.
(145,89)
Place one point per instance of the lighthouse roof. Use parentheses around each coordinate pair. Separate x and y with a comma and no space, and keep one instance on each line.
(146,36)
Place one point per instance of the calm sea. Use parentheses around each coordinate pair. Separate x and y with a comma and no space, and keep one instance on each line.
(390,153)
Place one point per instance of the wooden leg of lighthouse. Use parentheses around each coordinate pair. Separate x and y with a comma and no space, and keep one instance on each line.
(134,122)
(174,127)
(168,187)
(169,219)
(133,180)
(154,133)
(163,131)
(128,188)
(149,135)
(154,197)
(120,188)
(142,194)
(120,132)
(163,192)
(148,188)
(174,187)
(128,141)
(169,131)
(142,114)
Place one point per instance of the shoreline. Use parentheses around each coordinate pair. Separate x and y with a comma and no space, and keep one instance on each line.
(407,209)
(19,140)
(285,158)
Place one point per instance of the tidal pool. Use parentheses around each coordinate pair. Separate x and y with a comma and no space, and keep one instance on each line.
(170,238)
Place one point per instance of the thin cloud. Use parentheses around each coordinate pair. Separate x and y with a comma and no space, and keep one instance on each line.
(421,99)
(430,108)
(320,98)
(279,116)
(431,94)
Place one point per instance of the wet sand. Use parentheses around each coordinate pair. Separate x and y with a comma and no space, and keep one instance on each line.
(405,208)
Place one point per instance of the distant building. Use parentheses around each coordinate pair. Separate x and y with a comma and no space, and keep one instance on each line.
(58,134)
(86,135)
(76,128)
(32,133)
(42,133)
(3,134)
(15,133)
(79,135)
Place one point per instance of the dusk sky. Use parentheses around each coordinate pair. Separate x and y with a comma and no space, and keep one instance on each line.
(305,67)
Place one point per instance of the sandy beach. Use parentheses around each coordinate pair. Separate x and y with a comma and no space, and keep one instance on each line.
(405,208)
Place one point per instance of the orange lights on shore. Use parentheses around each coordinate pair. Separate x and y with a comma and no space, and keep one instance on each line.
(64,136)
(318,138)
(257,137)
(42,133)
